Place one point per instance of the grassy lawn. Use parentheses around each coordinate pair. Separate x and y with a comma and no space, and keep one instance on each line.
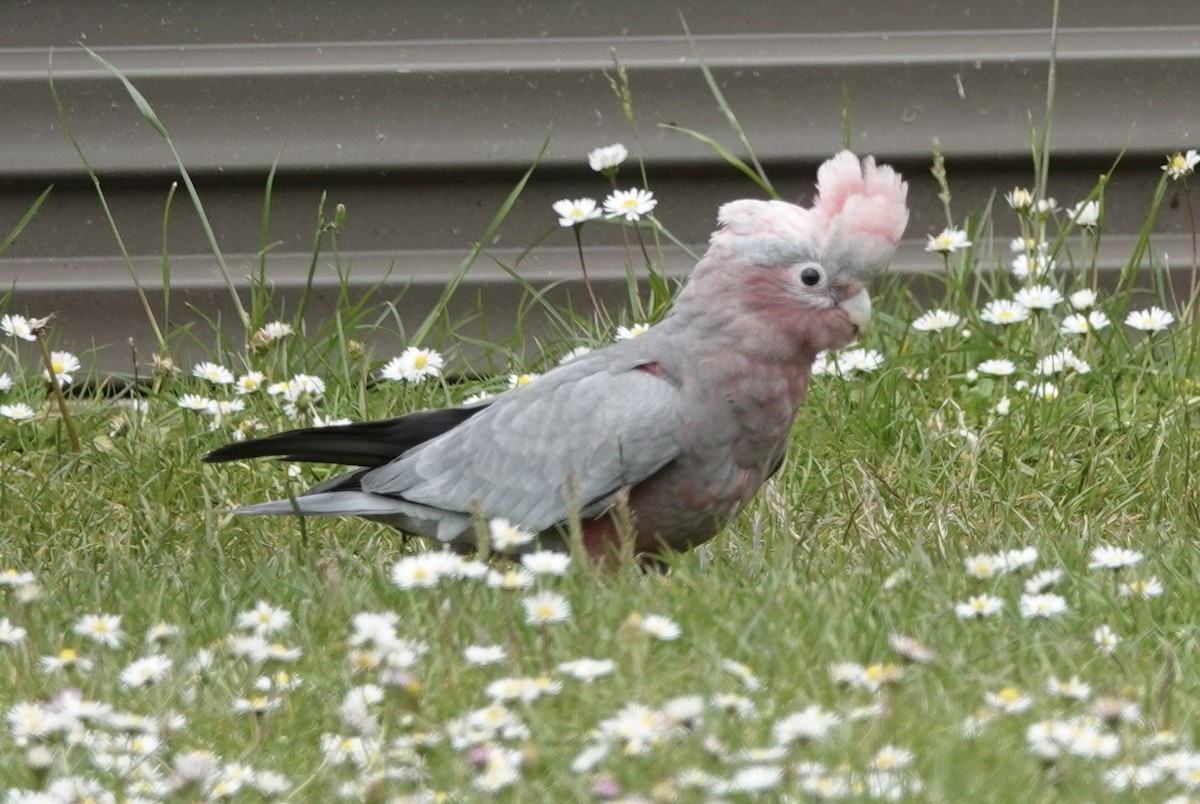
(975,577)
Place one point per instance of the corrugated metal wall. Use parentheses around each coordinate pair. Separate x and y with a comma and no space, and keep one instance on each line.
(420,118)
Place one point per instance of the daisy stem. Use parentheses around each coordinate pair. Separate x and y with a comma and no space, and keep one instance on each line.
(1191,303)
(56,390)
(545,640)
(642,243)
(631,281)
(587,283)
(635,298)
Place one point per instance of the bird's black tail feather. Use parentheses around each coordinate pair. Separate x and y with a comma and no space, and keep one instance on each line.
(368,444)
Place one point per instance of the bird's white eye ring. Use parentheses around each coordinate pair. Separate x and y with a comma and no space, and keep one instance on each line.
(810,275)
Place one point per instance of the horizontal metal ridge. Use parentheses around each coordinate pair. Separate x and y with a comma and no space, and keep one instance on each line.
(402,106)
(648,52)
(544,265)
(96,305)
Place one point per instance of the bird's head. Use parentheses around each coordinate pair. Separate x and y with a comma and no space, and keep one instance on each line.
(824,255)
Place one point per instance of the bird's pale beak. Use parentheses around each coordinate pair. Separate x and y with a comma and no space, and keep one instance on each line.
(858,308)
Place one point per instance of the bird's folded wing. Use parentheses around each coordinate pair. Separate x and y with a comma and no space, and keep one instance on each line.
(539,449)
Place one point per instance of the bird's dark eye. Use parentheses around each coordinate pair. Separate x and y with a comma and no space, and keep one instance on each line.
(810,276)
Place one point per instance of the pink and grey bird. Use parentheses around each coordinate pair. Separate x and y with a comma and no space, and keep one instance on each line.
(684,422)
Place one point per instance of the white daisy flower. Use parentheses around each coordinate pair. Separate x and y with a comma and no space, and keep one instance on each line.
(224,407)
(66,659)
(1038,297)
(161,631)
(274,331)
(625,333)
(1083,299)
(264,619)
(483,655)
(985,566)
(195,402)
(1019,199)
(573,213)
(1142,589)
(948,241)
(1106,639)
(996,367)
(587,670)
(518,380)
(630,204)
(28,721)
(6,382)
(1008,701)
(546,562)
(256,704)
(103,629)
(1111,557)
(546,607)
(1019,557)
(743,671)
(1045,207)
(147,670)
(978,607)
(1041,581)
(1091,743)
(1004,312)
(892,758)
(65,365)
(505,536)
(300,386)
(607,157)
(1044,605)
(807,725)
(824,363)
(578,351)
(1085,213)
(511,578)
(250,382)
(755,779)
(17,411)
(425,570)
(1154,319)
(1060,361)
(10,634)
(1074,688)
(414,365)
(1181,165)
(936,321)
(17,326)
(15,579)
(864,360)
(1025,266)
(213,372)
(659,627)
(1045,391)
(1079,324)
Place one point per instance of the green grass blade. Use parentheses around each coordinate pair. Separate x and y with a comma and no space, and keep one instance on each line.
(147,112)
(489,232)
(726,109)
(730,157)
(60,110)
(15,232)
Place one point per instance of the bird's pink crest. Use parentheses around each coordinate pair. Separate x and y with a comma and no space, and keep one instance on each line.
(861,212)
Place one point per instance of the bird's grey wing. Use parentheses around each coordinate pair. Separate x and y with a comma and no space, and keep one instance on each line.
(586,434)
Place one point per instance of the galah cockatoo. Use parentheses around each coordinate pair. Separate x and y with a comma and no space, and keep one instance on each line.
(660,439)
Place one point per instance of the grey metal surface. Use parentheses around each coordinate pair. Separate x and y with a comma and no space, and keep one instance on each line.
(420,118)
